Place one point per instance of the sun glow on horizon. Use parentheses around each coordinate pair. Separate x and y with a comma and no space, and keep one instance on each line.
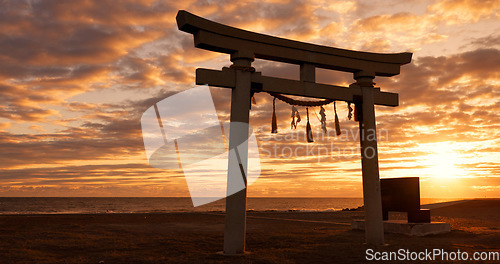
(442,161)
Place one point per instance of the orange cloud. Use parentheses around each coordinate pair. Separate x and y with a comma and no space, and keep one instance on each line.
(59,49)
(466,11)
(404,31)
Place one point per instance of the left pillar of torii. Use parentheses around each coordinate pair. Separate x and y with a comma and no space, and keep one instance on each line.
(236,204)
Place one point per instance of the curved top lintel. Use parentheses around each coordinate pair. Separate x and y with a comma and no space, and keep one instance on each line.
(285,50)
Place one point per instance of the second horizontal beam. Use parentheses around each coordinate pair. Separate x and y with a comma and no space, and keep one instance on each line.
(227,79)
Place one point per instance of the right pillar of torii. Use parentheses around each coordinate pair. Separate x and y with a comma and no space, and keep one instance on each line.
(243,47)
(374,226)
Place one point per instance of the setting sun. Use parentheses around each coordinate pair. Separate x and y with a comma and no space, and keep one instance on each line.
(441,161)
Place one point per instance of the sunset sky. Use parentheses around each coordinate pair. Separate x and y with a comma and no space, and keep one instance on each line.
(76,77)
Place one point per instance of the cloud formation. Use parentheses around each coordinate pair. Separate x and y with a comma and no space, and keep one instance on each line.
(77,75)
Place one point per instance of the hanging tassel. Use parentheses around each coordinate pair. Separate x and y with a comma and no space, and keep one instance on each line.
(356,113)
(308,129)
(322,113)
(350,110)
(274,125)
(337,123)
(295,114)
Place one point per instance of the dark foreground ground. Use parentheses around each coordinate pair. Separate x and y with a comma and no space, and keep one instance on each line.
(195,237)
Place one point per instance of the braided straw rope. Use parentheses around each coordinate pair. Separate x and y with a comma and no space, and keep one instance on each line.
(291,101)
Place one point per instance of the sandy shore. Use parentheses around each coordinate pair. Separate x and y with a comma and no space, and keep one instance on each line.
(196,237)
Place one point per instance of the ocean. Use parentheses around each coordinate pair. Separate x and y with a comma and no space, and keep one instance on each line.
(99,205)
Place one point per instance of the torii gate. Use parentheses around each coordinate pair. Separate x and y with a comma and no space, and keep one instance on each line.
(244,46)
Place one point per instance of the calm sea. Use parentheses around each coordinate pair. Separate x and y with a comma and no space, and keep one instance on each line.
(97,205)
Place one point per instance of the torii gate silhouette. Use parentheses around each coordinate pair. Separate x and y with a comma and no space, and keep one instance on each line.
(244,46)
